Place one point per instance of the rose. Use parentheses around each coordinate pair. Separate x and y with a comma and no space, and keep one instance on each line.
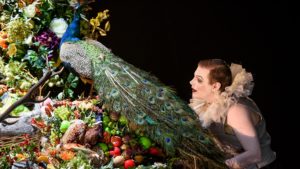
(58,26)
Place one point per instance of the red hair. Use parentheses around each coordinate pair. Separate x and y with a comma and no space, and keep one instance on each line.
(219,72)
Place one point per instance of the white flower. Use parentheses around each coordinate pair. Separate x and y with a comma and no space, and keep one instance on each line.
(159,165)
(29,10)
(58,26)
(28,40)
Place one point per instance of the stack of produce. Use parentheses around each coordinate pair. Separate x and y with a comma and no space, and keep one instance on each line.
(82,133)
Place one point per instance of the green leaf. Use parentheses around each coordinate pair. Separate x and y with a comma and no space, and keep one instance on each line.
(74,84)
(75,80)
(70,78)
(70,93)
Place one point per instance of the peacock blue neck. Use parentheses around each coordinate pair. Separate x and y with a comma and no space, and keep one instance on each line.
(73,31)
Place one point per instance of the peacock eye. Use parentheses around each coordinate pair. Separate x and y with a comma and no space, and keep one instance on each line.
(168,140)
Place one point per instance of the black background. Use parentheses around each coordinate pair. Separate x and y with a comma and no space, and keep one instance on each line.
(168,38)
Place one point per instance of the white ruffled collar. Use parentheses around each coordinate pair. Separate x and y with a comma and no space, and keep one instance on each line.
(241,86)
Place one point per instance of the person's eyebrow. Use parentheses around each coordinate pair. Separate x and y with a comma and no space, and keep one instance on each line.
(200,77)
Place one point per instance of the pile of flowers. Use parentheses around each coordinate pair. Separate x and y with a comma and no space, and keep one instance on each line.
(30,33)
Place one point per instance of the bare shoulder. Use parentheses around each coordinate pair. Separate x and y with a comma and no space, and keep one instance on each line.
(238,113)
(237,109)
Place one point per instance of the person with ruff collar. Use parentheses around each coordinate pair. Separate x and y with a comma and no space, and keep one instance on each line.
(220,98)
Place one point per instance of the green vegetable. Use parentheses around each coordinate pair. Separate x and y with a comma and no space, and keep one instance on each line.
(145,142)
(79,161)
(123,120)
(19,110)
(106,120)
(8,101)
(62,112)
(64,126)
(103,146)
(107,129)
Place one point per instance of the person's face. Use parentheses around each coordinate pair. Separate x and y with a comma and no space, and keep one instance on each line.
(201,89)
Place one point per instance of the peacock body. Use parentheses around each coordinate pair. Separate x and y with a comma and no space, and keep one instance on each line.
(144,100)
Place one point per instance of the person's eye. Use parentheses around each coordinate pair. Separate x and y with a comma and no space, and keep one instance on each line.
(199,80)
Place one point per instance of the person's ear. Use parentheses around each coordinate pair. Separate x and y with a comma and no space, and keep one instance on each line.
(216,86)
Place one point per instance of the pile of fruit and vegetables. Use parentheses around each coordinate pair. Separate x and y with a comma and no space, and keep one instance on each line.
(83,134)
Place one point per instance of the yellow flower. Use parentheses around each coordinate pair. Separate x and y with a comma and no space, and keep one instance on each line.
(18,30)
(12,50)
(103,15)
(95,23)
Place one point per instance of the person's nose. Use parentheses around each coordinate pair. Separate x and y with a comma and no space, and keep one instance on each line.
(191,82)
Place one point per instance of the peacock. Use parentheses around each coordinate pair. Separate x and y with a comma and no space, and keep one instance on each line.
(142,98)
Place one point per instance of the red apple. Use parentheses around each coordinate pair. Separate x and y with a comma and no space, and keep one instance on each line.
(154,151)
(115,152)
(129,164)
(116,141)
